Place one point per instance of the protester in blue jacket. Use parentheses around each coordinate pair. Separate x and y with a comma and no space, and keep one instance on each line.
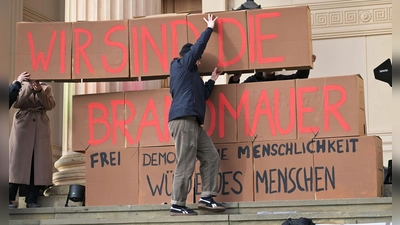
(186,117)
(14,88)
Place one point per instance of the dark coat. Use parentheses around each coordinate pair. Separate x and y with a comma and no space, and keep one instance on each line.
(258,77)
(30,135)
(188,90)
(13,91)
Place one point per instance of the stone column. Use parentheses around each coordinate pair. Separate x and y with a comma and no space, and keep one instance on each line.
(71,165)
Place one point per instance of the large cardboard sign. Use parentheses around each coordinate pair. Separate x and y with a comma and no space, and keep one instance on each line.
(274,33)
(279,110)
(146,118)
(266,111)
(144,47)
(44,50)
(227,48)
(330,107)
(221,114)
(156,174)
(346,167)
(154,42)
(112,177)
(235,178)
(283,170)
(98,121)
(356,165)
(100,50)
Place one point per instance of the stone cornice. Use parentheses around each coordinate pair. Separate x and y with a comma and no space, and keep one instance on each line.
(347,4)
(351,21)
(337,19)
(332,19)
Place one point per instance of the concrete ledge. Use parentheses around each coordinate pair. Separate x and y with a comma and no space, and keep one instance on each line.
(216,219)
(336,211)
(272,219)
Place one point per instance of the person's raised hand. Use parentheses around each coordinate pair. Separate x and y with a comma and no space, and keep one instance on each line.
(23,77)
(210,21)
(35,85)
(314,57)
(215,74)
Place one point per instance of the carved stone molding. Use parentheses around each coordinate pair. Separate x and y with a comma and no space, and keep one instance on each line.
(351,21)
(351,16)
(338,19)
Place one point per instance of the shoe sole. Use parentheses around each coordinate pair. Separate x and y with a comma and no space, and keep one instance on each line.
(218,209)
(181,214)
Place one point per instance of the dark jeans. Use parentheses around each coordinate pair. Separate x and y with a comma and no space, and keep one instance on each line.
(32,191)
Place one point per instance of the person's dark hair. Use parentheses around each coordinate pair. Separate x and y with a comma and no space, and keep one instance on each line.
(185,49)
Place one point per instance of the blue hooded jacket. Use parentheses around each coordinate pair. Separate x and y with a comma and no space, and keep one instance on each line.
(188,90)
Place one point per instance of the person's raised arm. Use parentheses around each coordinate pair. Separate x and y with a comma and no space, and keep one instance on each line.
(197,50)
(209,85)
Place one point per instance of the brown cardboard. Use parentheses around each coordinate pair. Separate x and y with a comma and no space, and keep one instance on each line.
(100,50)
(154,42)
(144,47)
(43,50)
(147,118)
(358,167)
(281,168)
(97,121)
(112,177)
(221,117)
(235,179)
(330,107)
(156,171)
(280,38)
(227,48)
(273,103)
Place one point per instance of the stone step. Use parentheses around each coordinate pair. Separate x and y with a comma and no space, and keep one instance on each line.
(237,219)
(272,212)
(61,193)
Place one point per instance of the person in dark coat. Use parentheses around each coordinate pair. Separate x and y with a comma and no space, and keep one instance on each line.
(14,88)
(270,76)
(30,150)
(186,117)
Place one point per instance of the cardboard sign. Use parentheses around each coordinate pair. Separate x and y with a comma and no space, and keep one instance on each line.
(283,170)
(347,167)
(227,48)
(100,50)
(154,42)
(146,118)
(112,177)
(156,173)
(44,50)
(325,107)
(144,47)
(330,107)
(357,164)
(98,121)
(221,114)
(235,178)
(274,33)
(266,111)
